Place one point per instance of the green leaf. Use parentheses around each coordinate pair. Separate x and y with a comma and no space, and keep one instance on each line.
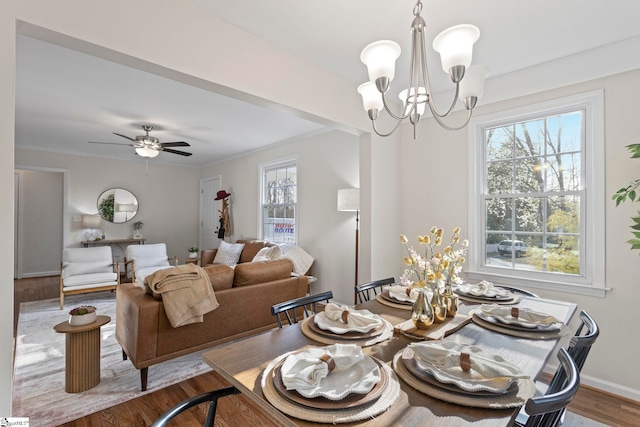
(635,244)
(634,149)
(632,195)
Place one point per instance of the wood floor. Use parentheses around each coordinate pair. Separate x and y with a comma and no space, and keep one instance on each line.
(239,411)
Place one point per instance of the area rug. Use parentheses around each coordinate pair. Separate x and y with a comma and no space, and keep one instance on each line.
(38,382)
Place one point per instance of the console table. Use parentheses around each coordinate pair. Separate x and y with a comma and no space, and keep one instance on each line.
(118,242)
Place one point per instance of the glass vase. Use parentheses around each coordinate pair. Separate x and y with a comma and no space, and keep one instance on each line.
(422,312)
(438,306)
(450,301)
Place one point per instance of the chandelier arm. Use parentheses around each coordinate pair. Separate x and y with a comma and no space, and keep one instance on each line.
(447,127)
(373,122)
(386,107)
(425,77)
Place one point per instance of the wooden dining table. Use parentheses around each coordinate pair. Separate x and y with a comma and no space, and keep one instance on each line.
(242,363)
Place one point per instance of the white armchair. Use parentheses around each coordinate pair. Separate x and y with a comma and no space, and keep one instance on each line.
(87,270)
(142,260)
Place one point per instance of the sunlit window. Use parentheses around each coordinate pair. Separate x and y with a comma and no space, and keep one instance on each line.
(279,186)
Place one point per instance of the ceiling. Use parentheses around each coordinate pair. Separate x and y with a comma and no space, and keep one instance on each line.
(65,98)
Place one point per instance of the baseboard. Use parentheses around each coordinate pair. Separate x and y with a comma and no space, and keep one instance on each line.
(41,274)
(602,385)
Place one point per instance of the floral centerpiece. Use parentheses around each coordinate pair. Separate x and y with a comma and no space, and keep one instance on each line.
(434,269)
(82,315)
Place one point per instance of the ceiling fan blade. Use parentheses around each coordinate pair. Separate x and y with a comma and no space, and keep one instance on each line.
(125,136)
(109,143)
(182,153)
(175,144)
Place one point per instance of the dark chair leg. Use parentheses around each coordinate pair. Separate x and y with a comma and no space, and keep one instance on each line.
(144,372)
(124,355)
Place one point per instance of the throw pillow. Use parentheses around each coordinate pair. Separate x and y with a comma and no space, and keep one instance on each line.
(267,253)
(228,253)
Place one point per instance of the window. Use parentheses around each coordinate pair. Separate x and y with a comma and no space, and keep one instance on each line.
(279,190)
(537,195)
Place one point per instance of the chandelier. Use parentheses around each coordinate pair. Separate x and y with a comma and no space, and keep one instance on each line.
(455,45)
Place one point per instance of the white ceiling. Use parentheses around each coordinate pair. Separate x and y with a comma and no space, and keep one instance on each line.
(65,98)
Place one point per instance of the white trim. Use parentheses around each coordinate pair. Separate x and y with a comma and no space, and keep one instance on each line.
(284,161)
(593,265)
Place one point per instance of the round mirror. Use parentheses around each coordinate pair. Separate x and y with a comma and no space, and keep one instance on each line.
(117,205)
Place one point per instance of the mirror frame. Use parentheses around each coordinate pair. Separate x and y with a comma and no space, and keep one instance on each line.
(111,199)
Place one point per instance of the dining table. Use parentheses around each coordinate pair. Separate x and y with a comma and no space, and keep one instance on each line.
(242,363)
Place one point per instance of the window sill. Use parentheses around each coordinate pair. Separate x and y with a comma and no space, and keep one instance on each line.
(558,286)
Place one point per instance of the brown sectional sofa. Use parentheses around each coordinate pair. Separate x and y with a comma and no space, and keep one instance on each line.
(245,294)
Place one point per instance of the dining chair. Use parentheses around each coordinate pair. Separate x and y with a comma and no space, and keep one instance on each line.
(548,410)
(211,397)
(586,334)
(363,290)
(519,291)
(308,304)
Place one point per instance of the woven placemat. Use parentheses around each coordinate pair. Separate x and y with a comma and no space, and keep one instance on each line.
(329,416)
(526,390)
(384,301)
(506,330)
(386,334)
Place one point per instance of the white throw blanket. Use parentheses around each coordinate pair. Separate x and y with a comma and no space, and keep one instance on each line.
(186,293)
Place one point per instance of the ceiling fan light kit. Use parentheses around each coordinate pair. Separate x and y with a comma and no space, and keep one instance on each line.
(455,45)
(148,146)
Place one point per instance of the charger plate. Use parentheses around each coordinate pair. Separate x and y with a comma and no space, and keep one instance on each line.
(320,402)
(388,397)
(514,300)
(526,389)
(306,329)
(395,304)
(515,331)
(352,335)
(387,295)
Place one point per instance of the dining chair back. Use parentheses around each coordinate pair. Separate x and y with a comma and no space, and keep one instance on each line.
(363,290)
(307,303)
(580,344)
(211,397)
(548,410)
(519,291)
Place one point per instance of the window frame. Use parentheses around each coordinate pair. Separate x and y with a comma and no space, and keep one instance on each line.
(591,281)
(262,169)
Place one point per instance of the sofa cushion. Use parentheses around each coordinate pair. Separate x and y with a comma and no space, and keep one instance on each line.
(146,262)
(79,268)
(250,273)
(228,253)
(220,276)
(91,279)
(251,248)
(267,253)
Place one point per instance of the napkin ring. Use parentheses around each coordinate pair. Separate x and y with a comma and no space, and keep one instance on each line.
(331,365)
(408,291)
(345,316)
(465,361)
(515,312)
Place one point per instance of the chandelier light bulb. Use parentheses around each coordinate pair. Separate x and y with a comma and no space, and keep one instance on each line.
(473,82)
(455,45)
(147,152)
(371,97)
(380,59)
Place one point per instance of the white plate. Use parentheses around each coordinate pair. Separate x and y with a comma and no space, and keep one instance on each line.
(359,378)
(472,380)
(338,327)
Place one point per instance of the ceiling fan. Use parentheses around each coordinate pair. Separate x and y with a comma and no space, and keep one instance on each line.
(149,146)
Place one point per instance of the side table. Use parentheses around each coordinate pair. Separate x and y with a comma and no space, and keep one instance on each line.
(82,363)
(190,260)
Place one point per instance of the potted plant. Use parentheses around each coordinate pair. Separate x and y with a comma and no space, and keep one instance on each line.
(630,192)
(82,315)
(137,226)
(106,207)
(193,251)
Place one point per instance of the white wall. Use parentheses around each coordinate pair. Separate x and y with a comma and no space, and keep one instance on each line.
(326,163)
(41,209)
(168,197)
(434,192)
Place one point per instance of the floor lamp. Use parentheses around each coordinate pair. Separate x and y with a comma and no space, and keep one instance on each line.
(349,201)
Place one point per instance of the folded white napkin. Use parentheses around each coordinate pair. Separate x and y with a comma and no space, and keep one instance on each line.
(484,289)
(489,370)
(304,370)
(399,292)
(346,319)
(522,314)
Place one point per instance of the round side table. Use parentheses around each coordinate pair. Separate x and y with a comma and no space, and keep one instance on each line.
(82,363)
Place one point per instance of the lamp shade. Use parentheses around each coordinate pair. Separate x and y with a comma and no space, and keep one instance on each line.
(473,82)
(349,199)
(127,207)
(371,97)
(455,45)
(91,221)
(147,152)
(380,59)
